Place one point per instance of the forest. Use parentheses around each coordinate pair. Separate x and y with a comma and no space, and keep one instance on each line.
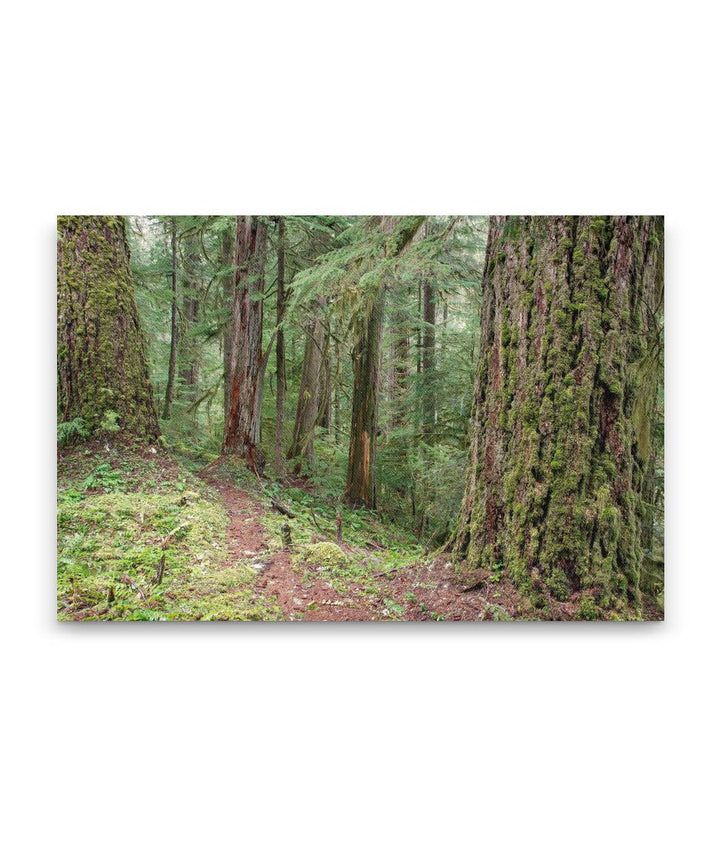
(358,418)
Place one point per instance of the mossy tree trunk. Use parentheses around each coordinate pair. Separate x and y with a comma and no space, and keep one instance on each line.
(242,424)
(281,376)
(102,365)
(571,357)
(226,260)
(174,326)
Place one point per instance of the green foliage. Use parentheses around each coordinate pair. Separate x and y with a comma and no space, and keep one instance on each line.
(425,394)
(70,432)
(109,422)
(102,477)
(324,555)
(111,546)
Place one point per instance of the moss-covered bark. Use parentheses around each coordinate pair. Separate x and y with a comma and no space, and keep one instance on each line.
(571,356)
(174,323)
(281,376)
(102,368)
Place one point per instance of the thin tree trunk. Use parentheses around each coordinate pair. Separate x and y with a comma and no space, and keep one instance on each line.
(280,352)
(399,363)
(190,356)
(102,367)
(325,401)
(242,425)
(564,399)
(336,391)
(428,358)
(170,388)
(306,415)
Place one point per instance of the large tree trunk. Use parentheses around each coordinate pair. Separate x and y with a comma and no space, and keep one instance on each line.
(226,260)
(101,353)
(570,361)
(242,425)
(306,415)
(366,358)
(170,388)
(280,352)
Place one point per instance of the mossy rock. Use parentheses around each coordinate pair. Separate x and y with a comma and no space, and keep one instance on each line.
(325,554)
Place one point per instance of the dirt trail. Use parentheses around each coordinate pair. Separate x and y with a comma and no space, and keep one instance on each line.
(426,591)
(247,542)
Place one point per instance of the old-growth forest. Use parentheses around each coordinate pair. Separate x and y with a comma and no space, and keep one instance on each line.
(312,418)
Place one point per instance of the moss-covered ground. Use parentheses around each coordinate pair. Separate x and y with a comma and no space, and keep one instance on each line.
(141,537)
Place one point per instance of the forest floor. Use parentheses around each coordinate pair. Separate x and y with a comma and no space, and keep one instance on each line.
(142,537)
(336,580)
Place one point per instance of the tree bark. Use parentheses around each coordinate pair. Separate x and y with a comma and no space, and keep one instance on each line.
(428,358)
(366,359)
(336,393)
(367,367)
(280,352)
(399,363)
(190,356)
(564,395)
(324,419)
(226,260)
(170,388)
(242,425)
(306,415)
(101,353)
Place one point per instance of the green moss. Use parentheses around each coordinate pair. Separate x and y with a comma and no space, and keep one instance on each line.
(558,584)
(111,547)
(586,609)
(325,555)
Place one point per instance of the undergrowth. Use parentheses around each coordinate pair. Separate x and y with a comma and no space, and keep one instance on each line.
(141,539)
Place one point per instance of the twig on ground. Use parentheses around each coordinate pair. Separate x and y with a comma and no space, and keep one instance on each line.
(283,509)
(338,526)
(124,578)
(157,579)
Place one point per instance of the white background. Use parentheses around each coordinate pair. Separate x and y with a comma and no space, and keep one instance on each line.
(359,739)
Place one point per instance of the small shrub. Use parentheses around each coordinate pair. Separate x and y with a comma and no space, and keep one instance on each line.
(72,432)
(103,476)
(110,422)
